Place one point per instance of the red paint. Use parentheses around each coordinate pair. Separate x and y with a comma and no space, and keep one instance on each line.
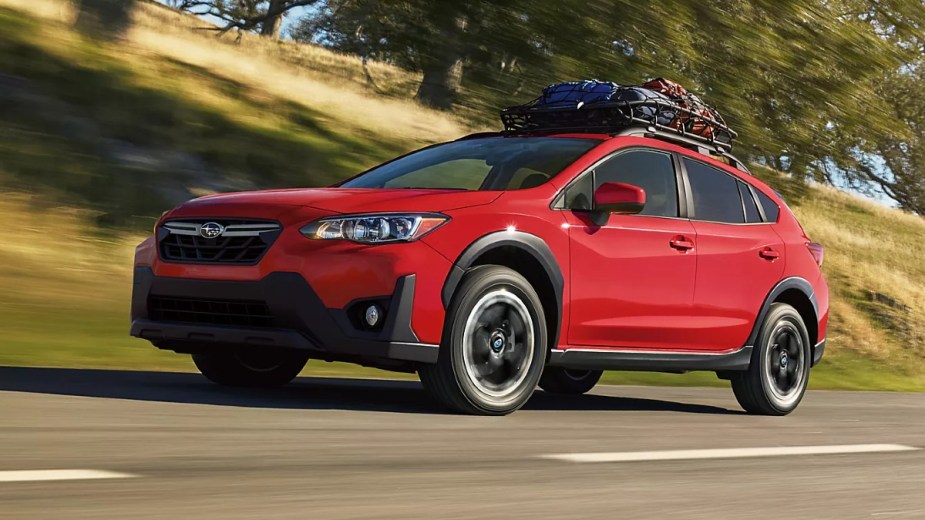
(620,198)
(630,282)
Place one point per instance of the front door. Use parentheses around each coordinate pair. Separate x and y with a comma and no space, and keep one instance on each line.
(632,276)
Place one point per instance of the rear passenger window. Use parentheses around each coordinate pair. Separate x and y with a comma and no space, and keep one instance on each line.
(771,210)
(650,170)
(716,194)
(748,202)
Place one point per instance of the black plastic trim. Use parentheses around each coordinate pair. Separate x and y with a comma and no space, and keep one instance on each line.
(268,238)
(531,244)
(582,359)
(300,319)
(818,351)
(794,282)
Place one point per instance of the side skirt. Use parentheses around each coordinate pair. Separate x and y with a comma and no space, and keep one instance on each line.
(650,361)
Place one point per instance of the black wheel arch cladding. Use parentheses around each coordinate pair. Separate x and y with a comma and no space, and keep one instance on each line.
(792,285)
(525,243)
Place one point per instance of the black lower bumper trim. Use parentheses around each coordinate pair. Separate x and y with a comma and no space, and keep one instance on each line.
(818,351)
(299,320)
(582,359)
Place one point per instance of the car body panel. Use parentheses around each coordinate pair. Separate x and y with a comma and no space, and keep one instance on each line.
(629,287)
(730,274)
(624,286)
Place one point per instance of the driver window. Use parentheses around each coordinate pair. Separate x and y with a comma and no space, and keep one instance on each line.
(650,170)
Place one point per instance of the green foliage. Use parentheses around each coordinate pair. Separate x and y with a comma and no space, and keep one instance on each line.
(896,164)
(799,79)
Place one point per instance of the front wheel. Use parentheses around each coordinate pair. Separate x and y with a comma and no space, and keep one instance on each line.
(557,380)
(778,374)
(494,345)
(251,367)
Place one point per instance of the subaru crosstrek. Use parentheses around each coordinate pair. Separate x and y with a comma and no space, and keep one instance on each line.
(494,264)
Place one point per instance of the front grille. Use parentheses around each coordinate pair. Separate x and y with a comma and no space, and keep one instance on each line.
(240,242)
(247,313)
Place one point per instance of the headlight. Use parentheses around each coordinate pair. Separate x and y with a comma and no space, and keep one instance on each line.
(375,229)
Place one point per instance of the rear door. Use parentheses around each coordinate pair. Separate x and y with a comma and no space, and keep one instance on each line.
(739,257)
(632,276)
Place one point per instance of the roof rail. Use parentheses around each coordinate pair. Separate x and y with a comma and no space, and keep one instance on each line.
(716,152)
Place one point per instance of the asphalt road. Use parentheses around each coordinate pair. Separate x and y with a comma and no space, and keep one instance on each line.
(324,448)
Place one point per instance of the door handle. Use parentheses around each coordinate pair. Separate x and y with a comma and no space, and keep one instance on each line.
(769,254)
(681,243)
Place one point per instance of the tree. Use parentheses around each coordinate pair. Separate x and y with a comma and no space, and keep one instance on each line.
(263,16)
(801,80)
(896,166)
(443,40)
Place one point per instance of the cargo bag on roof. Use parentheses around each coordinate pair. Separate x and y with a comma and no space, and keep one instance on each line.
(709,119)
(576,93)
(603,106)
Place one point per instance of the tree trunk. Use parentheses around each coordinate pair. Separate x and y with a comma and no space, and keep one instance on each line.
(440,82)
(106,19)
(443,65)
(271,26)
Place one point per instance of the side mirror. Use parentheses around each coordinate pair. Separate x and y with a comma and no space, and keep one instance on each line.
(619,198)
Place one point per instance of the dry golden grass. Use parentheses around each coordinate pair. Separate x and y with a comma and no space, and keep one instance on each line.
(875,272)
(50,255)
(325,81)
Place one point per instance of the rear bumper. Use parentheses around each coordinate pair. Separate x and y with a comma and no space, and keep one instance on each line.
(299,319)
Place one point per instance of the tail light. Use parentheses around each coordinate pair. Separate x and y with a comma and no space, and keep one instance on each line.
(816,250)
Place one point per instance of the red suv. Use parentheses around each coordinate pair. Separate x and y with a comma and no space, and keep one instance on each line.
(495,263)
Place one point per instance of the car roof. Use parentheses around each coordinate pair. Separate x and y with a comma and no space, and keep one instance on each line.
(717,154)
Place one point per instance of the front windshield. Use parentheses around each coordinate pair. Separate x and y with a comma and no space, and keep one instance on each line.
(493,163)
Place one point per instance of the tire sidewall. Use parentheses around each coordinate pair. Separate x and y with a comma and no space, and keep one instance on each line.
(779,313)
(488,281)
(228,368)
(559,380)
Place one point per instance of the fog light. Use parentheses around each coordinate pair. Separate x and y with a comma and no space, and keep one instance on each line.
(372,315)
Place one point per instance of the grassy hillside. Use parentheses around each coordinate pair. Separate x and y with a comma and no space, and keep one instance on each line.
(97,138)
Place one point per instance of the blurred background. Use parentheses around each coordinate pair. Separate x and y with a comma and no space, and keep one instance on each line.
(112,111)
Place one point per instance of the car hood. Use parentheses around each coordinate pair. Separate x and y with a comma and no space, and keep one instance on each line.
(342,200)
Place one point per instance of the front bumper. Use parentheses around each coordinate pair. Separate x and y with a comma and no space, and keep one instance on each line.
(300,320)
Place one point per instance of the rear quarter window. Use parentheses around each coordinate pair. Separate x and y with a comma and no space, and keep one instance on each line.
(771,209)
(748,202)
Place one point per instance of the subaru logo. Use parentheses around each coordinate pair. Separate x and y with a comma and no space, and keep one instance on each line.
(211,230)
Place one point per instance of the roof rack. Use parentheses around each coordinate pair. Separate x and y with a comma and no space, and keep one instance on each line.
(612,117)
(652,117)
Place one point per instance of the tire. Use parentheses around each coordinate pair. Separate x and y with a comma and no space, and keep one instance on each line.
(251,368)
(494,345)
(557,380)
(778,374)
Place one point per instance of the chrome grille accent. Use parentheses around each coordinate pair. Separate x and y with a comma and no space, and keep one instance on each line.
(242,242)
(231,230)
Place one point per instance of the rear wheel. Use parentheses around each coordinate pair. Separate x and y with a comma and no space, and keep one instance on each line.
(494,345)
(778,374)
(251,367)
(558,380)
